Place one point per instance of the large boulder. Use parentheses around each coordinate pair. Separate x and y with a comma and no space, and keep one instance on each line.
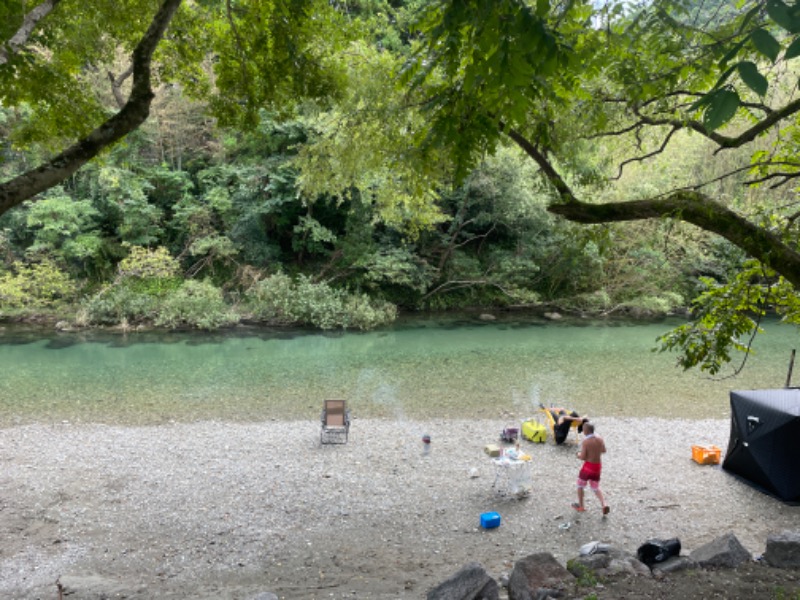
(725,551)
(672,565)
(537,577)
(783,550)
(471,582)
(609,563)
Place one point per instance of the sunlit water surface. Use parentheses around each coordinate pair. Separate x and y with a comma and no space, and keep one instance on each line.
(420,368)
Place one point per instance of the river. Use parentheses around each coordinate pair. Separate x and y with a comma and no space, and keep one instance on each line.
(424,367)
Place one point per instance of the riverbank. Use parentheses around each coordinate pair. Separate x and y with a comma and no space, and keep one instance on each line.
(224,510)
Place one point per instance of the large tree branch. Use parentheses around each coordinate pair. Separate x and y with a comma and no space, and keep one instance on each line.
(648,155)
(690,206)
(21,36)
(539,157)
(724,141)
(116,85)
(131,116)
(697,209)
(643,121)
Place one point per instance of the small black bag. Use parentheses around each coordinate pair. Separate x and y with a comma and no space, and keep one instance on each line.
(656,551)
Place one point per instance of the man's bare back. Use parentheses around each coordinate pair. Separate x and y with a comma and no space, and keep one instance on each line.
(592,449)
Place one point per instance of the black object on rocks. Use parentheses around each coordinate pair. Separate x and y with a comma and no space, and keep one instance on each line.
(657,550)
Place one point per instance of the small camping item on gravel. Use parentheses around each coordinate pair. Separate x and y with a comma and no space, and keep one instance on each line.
(509,434)
(534,431)
(490,520)
(594,548)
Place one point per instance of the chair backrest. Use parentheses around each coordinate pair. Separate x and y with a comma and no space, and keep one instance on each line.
(334,413)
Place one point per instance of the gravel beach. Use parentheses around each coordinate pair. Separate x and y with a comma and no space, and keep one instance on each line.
(235,510)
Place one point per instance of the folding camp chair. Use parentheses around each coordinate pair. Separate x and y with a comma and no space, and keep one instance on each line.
(335,422)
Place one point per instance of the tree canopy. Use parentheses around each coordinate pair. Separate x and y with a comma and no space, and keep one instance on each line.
(554,76)
(398,108)
(548,75)
(262,52)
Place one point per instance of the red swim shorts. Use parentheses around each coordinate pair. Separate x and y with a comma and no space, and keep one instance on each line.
(590,472)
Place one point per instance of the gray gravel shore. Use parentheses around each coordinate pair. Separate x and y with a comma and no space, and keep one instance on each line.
(229,510)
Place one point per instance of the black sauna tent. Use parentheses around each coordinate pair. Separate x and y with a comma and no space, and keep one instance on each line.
(764,447)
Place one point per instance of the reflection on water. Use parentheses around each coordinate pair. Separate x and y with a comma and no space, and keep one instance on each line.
(420,368)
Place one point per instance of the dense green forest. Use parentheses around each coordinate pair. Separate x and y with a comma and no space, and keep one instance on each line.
(332,163)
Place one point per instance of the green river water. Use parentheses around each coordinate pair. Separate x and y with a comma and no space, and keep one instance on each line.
(420,368)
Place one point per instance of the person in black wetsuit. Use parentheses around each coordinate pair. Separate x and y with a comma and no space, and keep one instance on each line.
(563,421)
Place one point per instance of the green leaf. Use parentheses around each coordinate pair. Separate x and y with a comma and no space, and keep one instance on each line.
(766,44)
(542,8)
(724,77)
(731,53)
(783,15)
(721,109)
(779,13)
(793,49)
(701,102)
(748,17)
(752,78)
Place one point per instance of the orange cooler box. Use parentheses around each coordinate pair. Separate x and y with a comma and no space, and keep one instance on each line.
(706,455)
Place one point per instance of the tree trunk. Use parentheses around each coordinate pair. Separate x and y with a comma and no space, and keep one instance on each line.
(131,116)
(29,22)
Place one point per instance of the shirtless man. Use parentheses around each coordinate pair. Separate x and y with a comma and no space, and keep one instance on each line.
(592,449)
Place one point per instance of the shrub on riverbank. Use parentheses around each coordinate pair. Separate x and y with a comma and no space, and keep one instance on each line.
(195,304)
(640,306)
(149,290)
(281,299)
(278,300)
(39,285)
